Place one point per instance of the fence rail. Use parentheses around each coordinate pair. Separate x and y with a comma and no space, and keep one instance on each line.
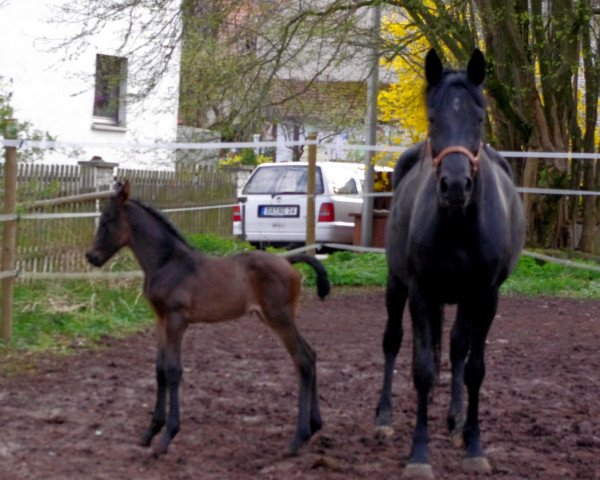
(56,220)
(58,207)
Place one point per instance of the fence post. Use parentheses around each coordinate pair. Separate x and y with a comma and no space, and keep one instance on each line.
(9,236)
(310,192)
(96,175)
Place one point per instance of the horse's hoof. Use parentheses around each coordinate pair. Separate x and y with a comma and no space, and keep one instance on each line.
(457,439)
(291,452)
(383,432)
(145,440)
(478,465)
(159,451)
(421,471)
(162,447)
(315,426)
(297,443)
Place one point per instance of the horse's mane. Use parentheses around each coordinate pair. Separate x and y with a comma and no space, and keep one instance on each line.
(450,78)
(162,219)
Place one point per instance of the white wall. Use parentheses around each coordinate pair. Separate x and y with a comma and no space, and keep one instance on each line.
(56,94)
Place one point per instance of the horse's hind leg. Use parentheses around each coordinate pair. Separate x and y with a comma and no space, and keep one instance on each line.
(304,358)
(316,421)
(396,293)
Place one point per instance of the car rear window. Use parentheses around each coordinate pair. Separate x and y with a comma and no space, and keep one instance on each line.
(283,179)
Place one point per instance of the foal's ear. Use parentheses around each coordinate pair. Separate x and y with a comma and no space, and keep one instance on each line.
(123,191)
(476,67)
(433,68)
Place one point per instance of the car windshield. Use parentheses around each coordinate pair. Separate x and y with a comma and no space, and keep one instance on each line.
(282,179)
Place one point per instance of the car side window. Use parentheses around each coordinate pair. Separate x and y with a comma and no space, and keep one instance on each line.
(347,188)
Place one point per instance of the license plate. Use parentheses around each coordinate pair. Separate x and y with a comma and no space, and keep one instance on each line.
(278,211)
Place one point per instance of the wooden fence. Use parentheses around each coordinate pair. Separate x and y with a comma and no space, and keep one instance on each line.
(57,244)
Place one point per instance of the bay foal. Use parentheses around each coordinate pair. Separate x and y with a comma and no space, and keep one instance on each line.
(185,286)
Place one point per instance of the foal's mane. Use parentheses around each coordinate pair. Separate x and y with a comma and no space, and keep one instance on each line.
(162,219)
(450,78)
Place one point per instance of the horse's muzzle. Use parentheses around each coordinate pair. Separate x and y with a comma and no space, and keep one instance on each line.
(94,258)
(455,192)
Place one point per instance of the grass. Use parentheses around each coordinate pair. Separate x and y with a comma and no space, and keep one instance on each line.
(530,278)
(536,278)
(63,316)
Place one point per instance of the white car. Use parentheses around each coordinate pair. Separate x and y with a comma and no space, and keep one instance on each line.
(274,203)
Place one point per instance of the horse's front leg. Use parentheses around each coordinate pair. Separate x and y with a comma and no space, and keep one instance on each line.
(395,299)
(174,328)
(423,314)
(459,347)
(480,322)
(159,416)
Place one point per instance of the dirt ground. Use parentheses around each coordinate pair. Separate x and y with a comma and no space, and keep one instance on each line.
(79,416)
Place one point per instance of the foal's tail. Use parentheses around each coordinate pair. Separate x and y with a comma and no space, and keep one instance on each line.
(322,279)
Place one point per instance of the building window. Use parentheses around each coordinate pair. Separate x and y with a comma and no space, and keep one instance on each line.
(111,81)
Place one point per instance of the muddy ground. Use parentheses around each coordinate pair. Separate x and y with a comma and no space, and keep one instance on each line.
(79,416)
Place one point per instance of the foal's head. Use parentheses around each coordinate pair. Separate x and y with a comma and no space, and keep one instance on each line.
(113,230)
(455,110)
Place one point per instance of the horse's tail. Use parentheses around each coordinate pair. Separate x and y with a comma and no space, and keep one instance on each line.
(436,343)
(322,278)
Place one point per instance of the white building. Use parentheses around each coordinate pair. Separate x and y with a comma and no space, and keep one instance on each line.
(88,95)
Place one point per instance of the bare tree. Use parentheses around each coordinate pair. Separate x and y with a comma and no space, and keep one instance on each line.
(244,61)
(241,61)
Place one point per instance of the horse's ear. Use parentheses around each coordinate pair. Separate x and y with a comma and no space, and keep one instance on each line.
(433,68)
(476,67)
(123,190)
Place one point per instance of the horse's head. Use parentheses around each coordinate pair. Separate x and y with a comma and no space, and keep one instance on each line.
(112,233)
(455,110)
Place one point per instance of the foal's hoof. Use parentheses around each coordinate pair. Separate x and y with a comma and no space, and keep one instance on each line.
(421,471)
(162,447)
(478,465)
(296,445)
(146,440)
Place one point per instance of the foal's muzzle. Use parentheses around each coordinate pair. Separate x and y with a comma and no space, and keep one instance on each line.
(94,258)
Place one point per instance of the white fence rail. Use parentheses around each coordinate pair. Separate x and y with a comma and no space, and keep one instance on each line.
(30,144)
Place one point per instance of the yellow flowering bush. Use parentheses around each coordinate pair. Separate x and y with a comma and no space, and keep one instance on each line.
(382,182)
(403,103)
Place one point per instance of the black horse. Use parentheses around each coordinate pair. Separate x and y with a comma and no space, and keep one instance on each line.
(455,233)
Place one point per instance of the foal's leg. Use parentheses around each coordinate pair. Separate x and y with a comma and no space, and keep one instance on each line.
(159,416)
(316,421)
(304,358)
(481,316)
(395,299)
(168,376)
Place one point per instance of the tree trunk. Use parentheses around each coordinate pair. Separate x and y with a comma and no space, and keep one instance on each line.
(589,225)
